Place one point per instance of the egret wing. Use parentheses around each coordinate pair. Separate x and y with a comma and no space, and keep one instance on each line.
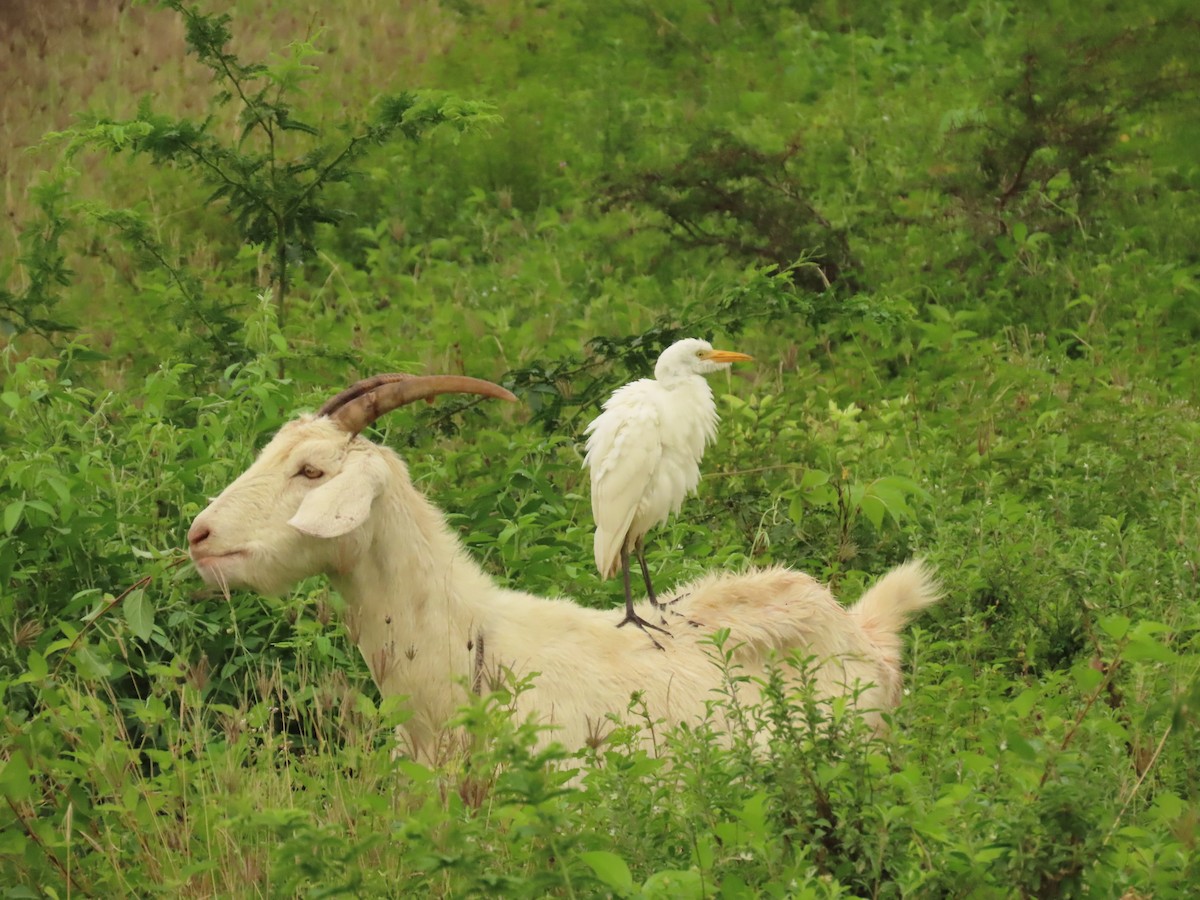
(624,448)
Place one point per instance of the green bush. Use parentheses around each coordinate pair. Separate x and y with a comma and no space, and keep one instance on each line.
(959,241)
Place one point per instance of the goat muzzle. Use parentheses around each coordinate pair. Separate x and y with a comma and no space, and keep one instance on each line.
(198,534)
(365,401)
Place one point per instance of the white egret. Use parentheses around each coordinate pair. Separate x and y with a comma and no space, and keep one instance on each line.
(644,453)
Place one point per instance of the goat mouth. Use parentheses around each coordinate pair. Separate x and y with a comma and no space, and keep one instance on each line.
(213,569)
(208,559)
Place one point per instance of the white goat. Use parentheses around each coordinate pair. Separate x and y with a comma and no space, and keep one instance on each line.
(321,499)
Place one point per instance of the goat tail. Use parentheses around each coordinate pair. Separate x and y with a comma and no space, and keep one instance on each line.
(898,596)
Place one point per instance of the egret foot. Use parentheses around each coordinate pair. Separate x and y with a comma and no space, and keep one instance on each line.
(632,617)
(667,607)
(680,615)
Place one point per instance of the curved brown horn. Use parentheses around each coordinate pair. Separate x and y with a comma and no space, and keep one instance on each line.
(362,403)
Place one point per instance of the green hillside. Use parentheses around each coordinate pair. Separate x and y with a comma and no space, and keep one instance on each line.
(961,242)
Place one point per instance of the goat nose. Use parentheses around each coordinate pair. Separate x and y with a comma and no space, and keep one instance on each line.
(198,534)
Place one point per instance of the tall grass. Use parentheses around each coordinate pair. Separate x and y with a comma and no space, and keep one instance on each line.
(1000,376)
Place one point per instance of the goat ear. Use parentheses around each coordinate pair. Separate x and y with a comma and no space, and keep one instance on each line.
(343,502)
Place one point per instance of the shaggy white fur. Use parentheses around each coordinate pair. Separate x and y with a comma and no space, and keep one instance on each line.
(427,619)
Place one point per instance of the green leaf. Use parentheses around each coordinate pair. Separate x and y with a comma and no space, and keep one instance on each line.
(12,515)
(1019,745)
(674,884)
(36,665)
(874,509)
(796,509)
(813,478)
(1146,649)
(728,833)
(1115,627)
(1024,702)
(14,778)
(89,665)
(365,706)
(139,614)
(990,854)
(1087,679)
(733,888)
(610,869)
(753,815)
(1145,628)
(1168,806)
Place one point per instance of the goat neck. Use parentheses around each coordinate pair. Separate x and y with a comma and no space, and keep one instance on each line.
(412,604)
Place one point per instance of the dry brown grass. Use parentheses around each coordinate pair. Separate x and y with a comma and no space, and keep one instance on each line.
(60,57)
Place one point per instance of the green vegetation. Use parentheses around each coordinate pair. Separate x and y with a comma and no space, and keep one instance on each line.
(959,239)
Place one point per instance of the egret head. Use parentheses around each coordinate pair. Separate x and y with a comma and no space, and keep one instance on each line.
(693,356)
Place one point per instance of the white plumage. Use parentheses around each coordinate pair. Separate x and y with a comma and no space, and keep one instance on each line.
(644,451)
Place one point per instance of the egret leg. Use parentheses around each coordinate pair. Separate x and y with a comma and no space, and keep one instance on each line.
(630,615)
(641,557)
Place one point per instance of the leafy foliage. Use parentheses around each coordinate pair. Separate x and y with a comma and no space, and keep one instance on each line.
(728,195)
(272,179)
(999,376)
(1053,129)
(29,310)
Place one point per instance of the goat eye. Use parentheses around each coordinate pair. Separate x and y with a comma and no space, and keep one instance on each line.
(310,472)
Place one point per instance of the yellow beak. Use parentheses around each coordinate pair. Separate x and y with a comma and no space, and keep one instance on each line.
(725,356)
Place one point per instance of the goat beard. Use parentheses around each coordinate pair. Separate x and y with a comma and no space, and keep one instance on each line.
(214,574)
(237,571)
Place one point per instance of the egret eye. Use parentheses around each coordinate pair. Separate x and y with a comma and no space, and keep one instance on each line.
(311,472)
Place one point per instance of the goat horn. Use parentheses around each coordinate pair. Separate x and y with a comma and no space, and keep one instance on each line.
(362,403)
